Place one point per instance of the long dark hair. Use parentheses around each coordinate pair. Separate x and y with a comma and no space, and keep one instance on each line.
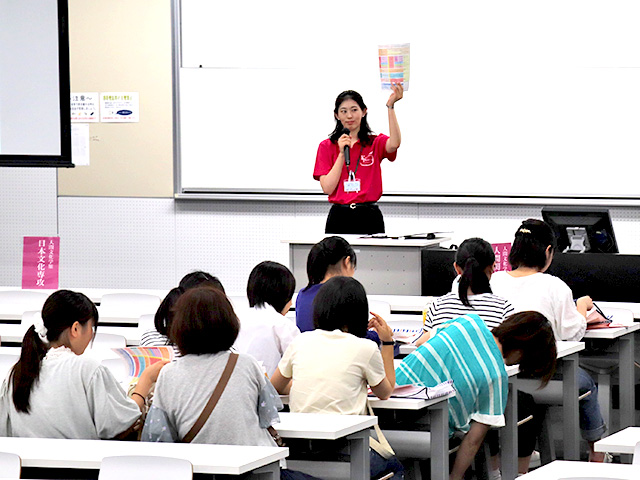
(365,130)
(341,304)
(473,257)
(164,315)
(59,312)
(325,254)
(529,247)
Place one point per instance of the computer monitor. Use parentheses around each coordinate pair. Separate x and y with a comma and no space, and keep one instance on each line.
(581,230)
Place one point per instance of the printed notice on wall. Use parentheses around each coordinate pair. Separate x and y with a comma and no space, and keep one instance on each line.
(85,107)
(40,262)
(119,107)
(394,65)
(80,144)
(501,251)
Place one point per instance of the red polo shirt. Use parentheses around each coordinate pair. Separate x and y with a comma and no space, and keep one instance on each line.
(369,172)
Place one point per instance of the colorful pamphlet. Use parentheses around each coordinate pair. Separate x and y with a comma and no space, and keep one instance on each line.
(139,358)
(394,65)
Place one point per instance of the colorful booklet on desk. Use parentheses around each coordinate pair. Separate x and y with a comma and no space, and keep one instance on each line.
(138,358)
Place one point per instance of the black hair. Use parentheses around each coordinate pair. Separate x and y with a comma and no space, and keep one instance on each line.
(326,254)
(341,303)
(271,283)
(529,247)
(164,315)
(204,322)
(473,257)
(59,312)
(200,279)
(529,333)
(365,130)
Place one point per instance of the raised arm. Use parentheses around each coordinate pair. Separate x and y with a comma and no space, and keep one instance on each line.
(394,129)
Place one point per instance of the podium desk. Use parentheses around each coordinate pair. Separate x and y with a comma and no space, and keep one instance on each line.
(385,266)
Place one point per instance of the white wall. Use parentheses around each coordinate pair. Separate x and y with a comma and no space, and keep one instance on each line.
(152,243)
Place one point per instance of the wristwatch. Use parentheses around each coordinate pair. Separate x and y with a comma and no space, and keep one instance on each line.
(389,343)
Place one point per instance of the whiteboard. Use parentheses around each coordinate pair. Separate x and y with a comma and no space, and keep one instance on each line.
(506,98)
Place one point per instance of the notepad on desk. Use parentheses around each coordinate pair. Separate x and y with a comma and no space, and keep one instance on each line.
(423,393)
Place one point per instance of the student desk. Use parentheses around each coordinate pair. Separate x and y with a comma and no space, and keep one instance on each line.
(88,454)
(625,340)
(623,442)
(355,428)
(563,470)
(438,410)
(385,265)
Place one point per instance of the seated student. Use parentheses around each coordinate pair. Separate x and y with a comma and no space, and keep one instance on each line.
(204,329)
(157,337)
(54,391)
(474,263)
(265,332)
(466,351)
(327,370)
(527,287)
(330,257)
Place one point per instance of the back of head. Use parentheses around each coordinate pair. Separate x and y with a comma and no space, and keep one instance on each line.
(200,279)
(327,254)
(164,315)
(203,322)
(270,283)
(59,312)
(529,333)
(341,304)
(530,244)
(474,256)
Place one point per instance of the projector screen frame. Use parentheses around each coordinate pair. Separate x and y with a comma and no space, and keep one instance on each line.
(64,82)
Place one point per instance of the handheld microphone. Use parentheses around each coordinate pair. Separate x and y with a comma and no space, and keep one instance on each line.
(347,160)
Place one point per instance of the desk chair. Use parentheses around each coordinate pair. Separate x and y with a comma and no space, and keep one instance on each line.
(381,308)
(146,323)
(127,305)
(108,340)
(636,455)
(19,301)
(10,465)
(145,468)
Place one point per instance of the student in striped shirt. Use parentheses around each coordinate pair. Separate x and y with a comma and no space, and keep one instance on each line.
(466,351)
(474,263)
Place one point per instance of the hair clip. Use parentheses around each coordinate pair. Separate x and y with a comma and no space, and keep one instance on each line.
(524,230)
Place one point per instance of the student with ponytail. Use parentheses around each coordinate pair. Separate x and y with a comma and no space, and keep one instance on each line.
(474,263)
(328,258)
(55,392)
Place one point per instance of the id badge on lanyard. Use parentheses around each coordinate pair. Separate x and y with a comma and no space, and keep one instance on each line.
(352,184)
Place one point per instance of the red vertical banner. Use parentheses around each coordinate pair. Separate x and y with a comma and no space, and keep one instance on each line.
(40,262)
(502,250)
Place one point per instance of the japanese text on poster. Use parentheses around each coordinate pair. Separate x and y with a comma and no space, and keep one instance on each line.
(501,251)
(40,262)
(119,107)
(85,107)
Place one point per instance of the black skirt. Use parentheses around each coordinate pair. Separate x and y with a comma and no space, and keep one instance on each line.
(355,218)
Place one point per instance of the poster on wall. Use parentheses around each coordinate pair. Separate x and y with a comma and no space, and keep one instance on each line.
(119,107)
(40,262)
(502,251)
(85,107)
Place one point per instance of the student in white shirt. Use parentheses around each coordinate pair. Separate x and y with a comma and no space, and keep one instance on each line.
(265,332)
(54,391)
(327,370)
(528,287)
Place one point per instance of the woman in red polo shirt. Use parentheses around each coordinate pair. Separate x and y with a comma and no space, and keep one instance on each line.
(354,188)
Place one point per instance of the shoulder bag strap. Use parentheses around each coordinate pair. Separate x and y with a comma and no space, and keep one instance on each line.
(215,396)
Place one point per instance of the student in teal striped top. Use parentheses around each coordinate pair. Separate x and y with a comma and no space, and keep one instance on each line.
(474,357)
